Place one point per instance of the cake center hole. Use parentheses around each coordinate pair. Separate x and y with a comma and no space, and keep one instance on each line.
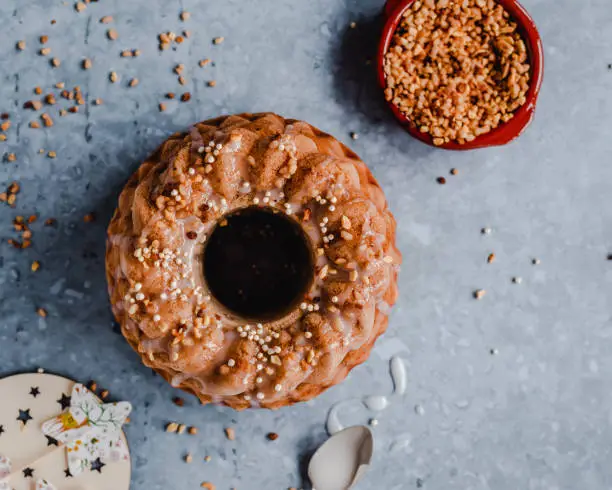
(258,263)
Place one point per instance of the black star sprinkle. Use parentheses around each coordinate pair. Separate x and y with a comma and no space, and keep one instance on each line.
(51,441)
(28,473)
(24,416)
(97,465)
(2,431)
(64,401)
(34,391)
(67,473)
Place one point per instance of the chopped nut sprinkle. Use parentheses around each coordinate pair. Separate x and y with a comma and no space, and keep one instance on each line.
(42,312)
(35,266)
(479,293)
(172,427)
(218,40)
(87,64)
(457,70)
(133,82)
(185,16)
(112,34)
(204,62)
(272,436)
(80,6)
(21,45)
(107,19)
(207,485)
(113,77)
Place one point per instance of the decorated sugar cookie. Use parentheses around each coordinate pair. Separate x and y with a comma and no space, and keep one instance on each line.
(90,429)
(81,448)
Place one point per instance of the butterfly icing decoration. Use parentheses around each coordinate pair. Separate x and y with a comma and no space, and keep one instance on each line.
(89,429)
(5,472)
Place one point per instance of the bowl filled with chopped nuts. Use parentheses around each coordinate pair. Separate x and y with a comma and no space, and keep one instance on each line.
(461,74)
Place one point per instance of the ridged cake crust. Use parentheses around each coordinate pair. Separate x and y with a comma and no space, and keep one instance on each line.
(157,283)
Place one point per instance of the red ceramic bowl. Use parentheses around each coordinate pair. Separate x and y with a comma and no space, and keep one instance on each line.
(505,132)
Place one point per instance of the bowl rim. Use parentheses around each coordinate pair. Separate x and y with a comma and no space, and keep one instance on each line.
(505,132)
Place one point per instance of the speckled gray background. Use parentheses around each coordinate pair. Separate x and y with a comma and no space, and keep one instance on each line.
(536,416)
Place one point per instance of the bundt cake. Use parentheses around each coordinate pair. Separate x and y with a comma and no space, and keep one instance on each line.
(252,262)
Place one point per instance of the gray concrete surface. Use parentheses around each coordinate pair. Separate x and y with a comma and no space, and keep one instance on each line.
(535,416)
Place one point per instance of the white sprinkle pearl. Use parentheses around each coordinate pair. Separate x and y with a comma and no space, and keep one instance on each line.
(278,388)
(156,318)
(231,363)
(260,396)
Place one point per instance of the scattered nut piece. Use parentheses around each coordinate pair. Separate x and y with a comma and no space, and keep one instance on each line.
(172,427)
(188,458)
(212,83)
(133,82)
(112,34)
(272,436)
(80,6)
(230,433)
(479,293)
(186,97)
(55,62)
(35,266)
(87,64)
(185,16)
(52,154)
(42,312)
(204,62)
(218,40)
(113,77)
(107,19)
(207,485)
(162,107)
(21,45)
(45,51)
(44,39)
(89,218)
